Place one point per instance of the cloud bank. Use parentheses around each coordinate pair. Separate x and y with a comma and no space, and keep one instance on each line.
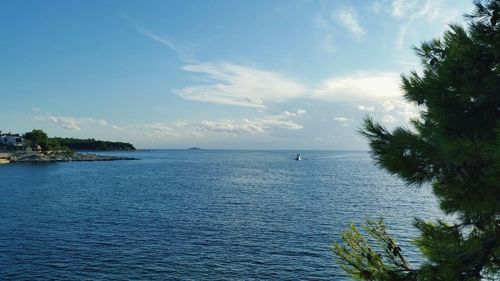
(76,123)
(362,87)
(232,84)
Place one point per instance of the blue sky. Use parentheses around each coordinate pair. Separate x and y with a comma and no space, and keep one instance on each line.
(214,74)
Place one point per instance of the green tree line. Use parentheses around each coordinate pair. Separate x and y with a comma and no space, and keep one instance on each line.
(454,146)
(39,138)
(92,144)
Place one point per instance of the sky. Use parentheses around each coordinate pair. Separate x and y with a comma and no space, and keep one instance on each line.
(235,74)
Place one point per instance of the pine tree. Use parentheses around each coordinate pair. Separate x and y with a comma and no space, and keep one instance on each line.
(455,147)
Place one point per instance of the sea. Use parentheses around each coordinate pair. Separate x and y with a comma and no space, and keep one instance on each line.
(198,215)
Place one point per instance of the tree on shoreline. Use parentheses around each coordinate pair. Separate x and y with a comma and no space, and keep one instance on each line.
(37,138)
(454,146)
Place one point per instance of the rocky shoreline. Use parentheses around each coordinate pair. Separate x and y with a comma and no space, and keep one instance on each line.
(56,157)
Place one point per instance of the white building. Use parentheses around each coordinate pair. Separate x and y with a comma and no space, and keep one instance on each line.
(9,139)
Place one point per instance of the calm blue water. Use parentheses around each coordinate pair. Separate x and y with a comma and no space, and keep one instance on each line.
(195,215)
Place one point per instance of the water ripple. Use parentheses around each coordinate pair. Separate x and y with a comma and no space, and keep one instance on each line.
(196,215)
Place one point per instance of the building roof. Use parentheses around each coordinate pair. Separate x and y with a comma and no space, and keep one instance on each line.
(9,134)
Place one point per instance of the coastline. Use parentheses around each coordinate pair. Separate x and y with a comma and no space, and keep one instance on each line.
(25,157)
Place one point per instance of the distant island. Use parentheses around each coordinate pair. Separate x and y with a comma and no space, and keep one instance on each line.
(194,148)
(92,144)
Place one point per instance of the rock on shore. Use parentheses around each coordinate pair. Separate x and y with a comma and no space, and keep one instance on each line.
(61,157)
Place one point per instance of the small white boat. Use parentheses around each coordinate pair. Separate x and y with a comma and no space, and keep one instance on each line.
(298,157)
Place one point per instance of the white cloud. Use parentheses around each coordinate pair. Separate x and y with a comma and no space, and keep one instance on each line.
(414,9)
(197,134)
(238,85)
(327,21)
(298,112)
(301,112)
(182,51)
(183,129)
(400,8)
(162,39)
(65,122)
(389,119)
(76,123)
(402,108)
(181,123)
(343,119)
(232,127)
(103,123)
(153,130)
(160,128)
(411,14)
(279,122)
(349,19)
(366,108)
(389,105)
(255,126)
(363,86)
(429,10)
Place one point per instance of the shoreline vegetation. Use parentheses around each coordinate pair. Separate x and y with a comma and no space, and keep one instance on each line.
(92,144)
(37,147)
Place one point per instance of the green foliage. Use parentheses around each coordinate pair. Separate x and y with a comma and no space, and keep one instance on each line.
(454,146)
(66,145)
(38,138)
(92,144)
(364,261)
(53,145)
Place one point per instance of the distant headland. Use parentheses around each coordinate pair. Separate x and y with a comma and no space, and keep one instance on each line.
(92,144)
(36,146)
